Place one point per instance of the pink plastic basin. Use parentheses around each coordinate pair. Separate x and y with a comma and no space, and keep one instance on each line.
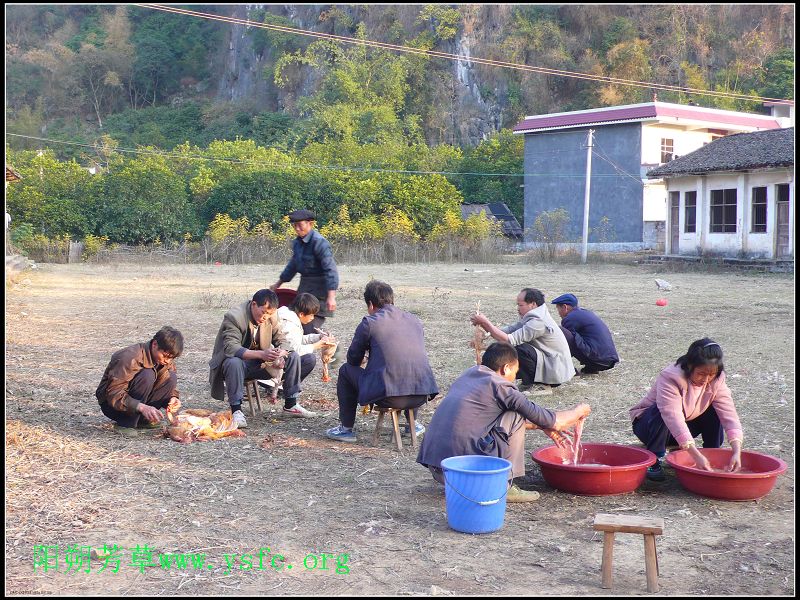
(604,469)
(756,479)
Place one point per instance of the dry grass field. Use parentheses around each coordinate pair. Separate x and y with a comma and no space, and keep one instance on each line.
(358,519)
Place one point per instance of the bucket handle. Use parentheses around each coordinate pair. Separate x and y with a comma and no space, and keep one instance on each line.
(478,502)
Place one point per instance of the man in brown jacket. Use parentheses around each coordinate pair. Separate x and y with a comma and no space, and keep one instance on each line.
(249,336)
(140,380)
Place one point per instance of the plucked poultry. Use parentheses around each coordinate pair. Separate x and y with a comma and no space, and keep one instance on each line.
(197,424)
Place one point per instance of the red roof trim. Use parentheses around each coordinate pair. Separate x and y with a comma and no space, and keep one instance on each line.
(586,118)
(645,111)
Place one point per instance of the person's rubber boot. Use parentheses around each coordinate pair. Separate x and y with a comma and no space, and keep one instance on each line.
(516,494)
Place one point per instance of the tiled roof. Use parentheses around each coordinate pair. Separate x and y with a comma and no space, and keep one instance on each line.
(643,112)
(500,212)
(738,152)
(11,174)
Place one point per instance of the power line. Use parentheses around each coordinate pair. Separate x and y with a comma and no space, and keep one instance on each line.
(281,166)
(456,57)
(603,156)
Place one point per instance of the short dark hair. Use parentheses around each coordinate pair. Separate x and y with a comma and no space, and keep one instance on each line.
(499,354)
(169,339)
(306,303)
(266,297)
(533,295)
(378,294)
(704,352)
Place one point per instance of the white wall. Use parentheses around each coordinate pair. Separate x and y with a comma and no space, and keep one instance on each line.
(761,245)
(684,142)
(654,202)
(764,243)
(655,205)
(688,243)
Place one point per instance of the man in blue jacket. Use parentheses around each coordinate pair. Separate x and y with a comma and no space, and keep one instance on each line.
(397,375)
(589,338)
(312,257)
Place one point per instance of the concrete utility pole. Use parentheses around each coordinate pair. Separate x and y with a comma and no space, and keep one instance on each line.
(585,246)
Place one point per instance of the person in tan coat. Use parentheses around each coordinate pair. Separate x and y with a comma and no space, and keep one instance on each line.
(250,336)
(140,380)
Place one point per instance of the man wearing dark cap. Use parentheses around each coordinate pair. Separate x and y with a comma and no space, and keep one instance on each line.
(589,339)
(312,257)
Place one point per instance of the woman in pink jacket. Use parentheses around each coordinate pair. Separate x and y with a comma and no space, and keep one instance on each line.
(688,399)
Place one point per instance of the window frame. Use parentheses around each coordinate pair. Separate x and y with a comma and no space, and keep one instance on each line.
(667,149)
(725,209)
(758,226)
(687,222)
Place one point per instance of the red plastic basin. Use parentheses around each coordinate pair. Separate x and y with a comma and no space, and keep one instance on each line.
(617,469)
(286,296)
(755,480)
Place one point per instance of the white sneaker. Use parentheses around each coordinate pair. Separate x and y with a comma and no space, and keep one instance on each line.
(298,411)
(239,420)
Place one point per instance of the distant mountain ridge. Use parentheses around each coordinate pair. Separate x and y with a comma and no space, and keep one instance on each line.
(96,61)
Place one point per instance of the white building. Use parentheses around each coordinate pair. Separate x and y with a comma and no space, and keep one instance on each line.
(733,197)
(633,140)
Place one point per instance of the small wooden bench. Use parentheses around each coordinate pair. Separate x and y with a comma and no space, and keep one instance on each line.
(394,413)
(252,384)
(649,527)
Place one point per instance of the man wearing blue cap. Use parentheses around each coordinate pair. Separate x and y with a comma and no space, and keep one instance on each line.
(589,338)
(312,257)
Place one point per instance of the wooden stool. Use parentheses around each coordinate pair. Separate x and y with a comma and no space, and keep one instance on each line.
(250,389)
(649,527)
(394,412)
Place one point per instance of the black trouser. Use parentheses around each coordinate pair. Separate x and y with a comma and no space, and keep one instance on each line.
(235,370)
(142,388)
(652,431)
(527,363)
(347,391)
(307,364)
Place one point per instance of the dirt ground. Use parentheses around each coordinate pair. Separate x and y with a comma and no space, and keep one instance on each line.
(358,519)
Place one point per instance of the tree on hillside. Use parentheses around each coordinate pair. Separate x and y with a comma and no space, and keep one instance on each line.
(778,75)
(143,202)
(362,96)
(501,153)
(53,196)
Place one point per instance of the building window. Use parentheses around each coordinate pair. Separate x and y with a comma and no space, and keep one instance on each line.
(667,150)
(783,192)
(690,212)
(759,224)
(723,211)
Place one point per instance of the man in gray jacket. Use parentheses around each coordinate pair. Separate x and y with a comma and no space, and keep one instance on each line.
(484,414)
(249,336)
(544,355)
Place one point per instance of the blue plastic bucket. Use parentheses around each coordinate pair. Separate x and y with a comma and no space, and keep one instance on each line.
(475,492)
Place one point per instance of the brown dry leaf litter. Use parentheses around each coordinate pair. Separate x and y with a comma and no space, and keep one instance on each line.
(70,480)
